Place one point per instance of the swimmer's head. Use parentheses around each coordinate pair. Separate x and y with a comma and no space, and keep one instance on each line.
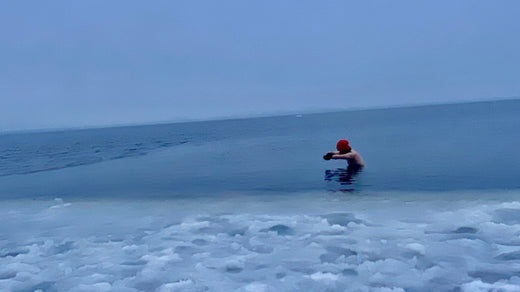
(343,146)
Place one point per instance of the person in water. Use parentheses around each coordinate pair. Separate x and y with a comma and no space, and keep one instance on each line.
(345,177)
(353,158)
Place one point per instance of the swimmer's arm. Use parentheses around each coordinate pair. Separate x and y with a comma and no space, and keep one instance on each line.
(328,156)
(336,155)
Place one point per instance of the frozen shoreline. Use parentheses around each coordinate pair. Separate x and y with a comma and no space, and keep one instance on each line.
(255,243)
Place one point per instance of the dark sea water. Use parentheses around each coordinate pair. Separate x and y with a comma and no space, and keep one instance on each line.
(441,147)
(250,205)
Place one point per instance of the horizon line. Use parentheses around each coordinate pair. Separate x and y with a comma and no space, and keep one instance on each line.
(255,116)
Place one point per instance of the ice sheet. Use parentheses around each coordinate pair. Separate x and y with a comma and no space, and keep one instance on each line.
(255,244)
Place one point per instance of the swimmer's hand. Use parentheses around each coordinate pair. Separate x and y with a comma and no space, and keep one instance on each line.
(327,156)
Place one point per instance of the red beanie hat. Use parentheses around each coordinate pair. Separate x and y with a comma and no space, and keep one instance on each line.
(342,146)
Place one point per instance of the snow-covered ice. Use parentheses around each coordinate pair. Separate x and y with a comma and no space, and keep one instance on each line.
(254,244)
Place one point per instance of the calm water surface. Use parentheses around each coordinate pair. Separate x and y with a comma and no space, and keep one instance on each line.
(441,147)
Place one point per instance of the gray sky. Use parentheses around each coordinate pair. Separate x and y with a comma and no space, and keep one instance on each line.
(89,63)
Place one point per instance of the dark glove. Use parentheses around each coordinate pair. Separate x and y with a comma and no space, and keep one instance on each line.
(327,156)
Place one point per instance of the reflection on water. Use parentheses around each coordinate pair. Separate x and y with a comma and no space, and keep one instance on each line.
(344,176)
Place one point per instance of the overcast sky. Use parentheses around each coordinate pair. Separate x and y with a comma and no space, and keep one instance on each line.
(90,63)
